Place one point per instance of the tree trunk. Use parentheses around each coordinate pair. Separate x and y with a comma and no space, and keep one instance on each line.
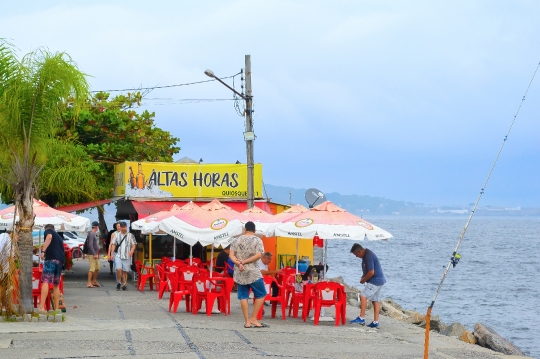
(102,225)
(24,229)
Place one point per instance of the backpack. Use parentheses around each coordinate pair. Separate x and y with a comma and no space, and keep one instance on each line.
(85,246)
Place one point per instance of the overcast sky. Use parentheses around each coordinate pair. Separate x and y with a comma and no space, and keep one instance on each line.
(405,100)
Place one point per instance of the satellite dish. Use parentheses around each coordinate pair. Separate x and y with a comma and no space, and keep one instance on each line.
(314,197)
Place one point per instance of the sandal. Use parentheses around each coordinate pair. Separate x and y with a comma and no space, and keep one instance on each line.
(263,325)
(96,286)
(90,286)
(249,326)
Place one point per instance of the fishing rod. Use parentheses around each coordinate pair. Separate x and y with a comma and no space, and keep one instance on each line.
(454,260)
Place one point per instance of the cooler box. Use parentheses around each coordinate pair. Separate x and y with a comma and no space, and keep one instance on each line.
(302,266)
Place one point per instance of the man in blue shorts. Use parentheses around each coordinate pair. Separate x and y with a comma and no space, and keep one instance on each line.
(54,258)
(245,254)
(373,277)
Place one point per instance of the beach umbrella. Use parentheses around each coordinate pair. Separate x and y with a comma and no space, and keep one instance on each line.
(44,214)
(329,221)
(150,225)
(214,224)
(284,216)
(264,222)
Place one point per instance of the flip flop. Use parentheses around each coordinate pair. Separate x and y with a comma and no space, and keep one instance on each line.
(263,325)
(250,326)
(90,286)
(96,286)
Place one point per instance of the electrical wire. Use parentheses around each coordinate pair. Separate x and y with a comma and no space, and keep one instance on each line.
(167,86)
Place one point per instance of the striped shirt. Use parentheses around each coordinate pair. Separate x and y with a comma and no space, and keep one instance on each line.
(125,247)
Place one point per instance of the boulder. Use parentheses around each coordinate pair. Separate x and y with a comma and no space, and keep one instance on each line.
(391,302)
(468,337)
(488,338)
(454,330)
(413,317)
(435,324)
(389,309)
(354,303)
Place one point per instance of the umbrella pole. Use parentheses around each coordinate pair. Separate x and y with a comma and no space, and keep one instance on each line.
(296,255)
(174,249)
(322,315)
(211,261)
(324,258)
(190,255)
(150,251)
(39,247)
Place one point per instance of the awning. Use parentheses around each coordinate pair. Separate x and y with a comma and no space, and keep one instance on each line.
(86,205)
(145,208)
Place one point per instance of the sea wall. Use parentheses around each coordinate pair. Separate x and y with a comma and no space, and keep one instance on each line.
(482,334)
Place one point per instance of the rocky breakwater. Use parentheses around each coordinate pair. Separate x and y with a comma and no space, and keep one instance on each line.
(482,335)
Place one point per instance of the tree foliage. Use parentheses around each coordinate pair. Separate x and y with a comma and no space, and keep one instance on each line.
(31,92)
(113,132)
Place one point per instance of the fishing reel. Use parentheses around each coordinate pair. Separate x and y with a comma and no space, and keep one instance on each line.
(455,259)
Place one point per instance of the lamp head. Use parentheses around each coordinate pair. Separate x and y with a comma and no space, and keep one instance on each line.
(209,73)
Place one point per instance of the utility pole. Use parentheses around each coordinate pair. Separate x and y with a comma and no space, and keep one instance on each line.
(249,136)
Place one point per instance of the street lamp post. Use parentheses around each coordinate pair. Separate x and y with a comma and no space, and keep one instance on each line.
(249,135)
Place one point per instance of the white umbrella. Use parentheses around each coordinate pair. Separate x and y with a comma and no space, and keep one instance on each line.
(329,221)
(150,225)
(62,221)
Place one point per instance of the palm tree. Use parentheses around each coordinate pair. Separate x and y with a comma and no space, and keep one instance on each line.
(32,90)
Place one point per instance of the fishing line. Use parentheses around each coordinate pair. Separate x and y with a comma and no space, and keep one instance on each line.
(454,260)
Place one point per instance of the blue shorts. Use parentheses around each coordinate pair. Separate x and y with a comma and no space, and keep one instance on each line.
(52,270)
(258,288)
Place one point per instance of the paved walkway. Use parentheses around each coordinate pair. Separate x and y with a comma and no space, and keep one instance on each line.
(104,323)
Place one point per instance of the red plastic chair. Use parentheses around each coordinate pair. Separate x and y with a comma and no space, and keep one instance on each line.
(144,273)
(178,292)
(194,261)
(36,290)
(208,289)
(293,297)
(280,298)
(327,294)
(161,285)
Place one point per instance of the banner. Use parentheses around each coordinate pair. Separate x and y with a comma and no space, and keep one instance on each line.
(184,180)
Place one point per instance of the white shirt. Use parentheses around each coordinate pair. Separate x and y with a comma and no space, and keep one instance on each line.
(262,266)
(5,248)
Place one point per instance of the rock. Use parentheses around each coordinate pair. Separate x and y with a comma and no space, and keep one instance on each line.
(414,317)
(468,337)
(454,330)
(58,318)
(354,303)
(391,302)
(488,338)
(388,309)
(35,319)
(28,317)
(435,324)
(42,317)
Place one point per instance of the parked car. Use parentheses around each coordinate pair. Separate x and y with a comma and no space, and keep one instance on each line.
(72,239)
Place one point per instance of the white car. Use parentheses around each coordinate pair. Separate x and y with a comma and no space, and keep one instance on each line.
(72,239)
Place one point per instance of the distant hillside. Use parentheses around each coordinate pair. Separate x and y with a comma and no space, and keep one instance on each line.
(367,205)
(353,203)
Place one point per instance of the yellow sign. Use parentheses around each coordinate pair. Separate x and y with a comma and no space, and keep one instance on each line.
(184,180)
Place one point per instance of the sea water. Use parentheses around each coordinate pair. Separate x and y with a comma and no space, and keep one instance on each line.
(496,281)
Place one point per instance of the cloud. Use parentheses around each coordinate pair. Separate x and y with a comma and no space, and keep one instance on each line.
(403,100)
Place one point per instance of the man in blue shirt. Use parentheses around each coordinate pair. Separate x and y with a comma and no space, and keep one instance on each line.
(373,277)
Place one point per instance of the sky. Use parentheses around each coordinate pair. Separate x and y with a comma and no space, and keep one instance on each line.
(404,100)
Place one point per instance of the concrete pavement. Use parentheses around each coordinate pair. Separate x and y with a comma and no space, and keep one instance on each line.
(104,323)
